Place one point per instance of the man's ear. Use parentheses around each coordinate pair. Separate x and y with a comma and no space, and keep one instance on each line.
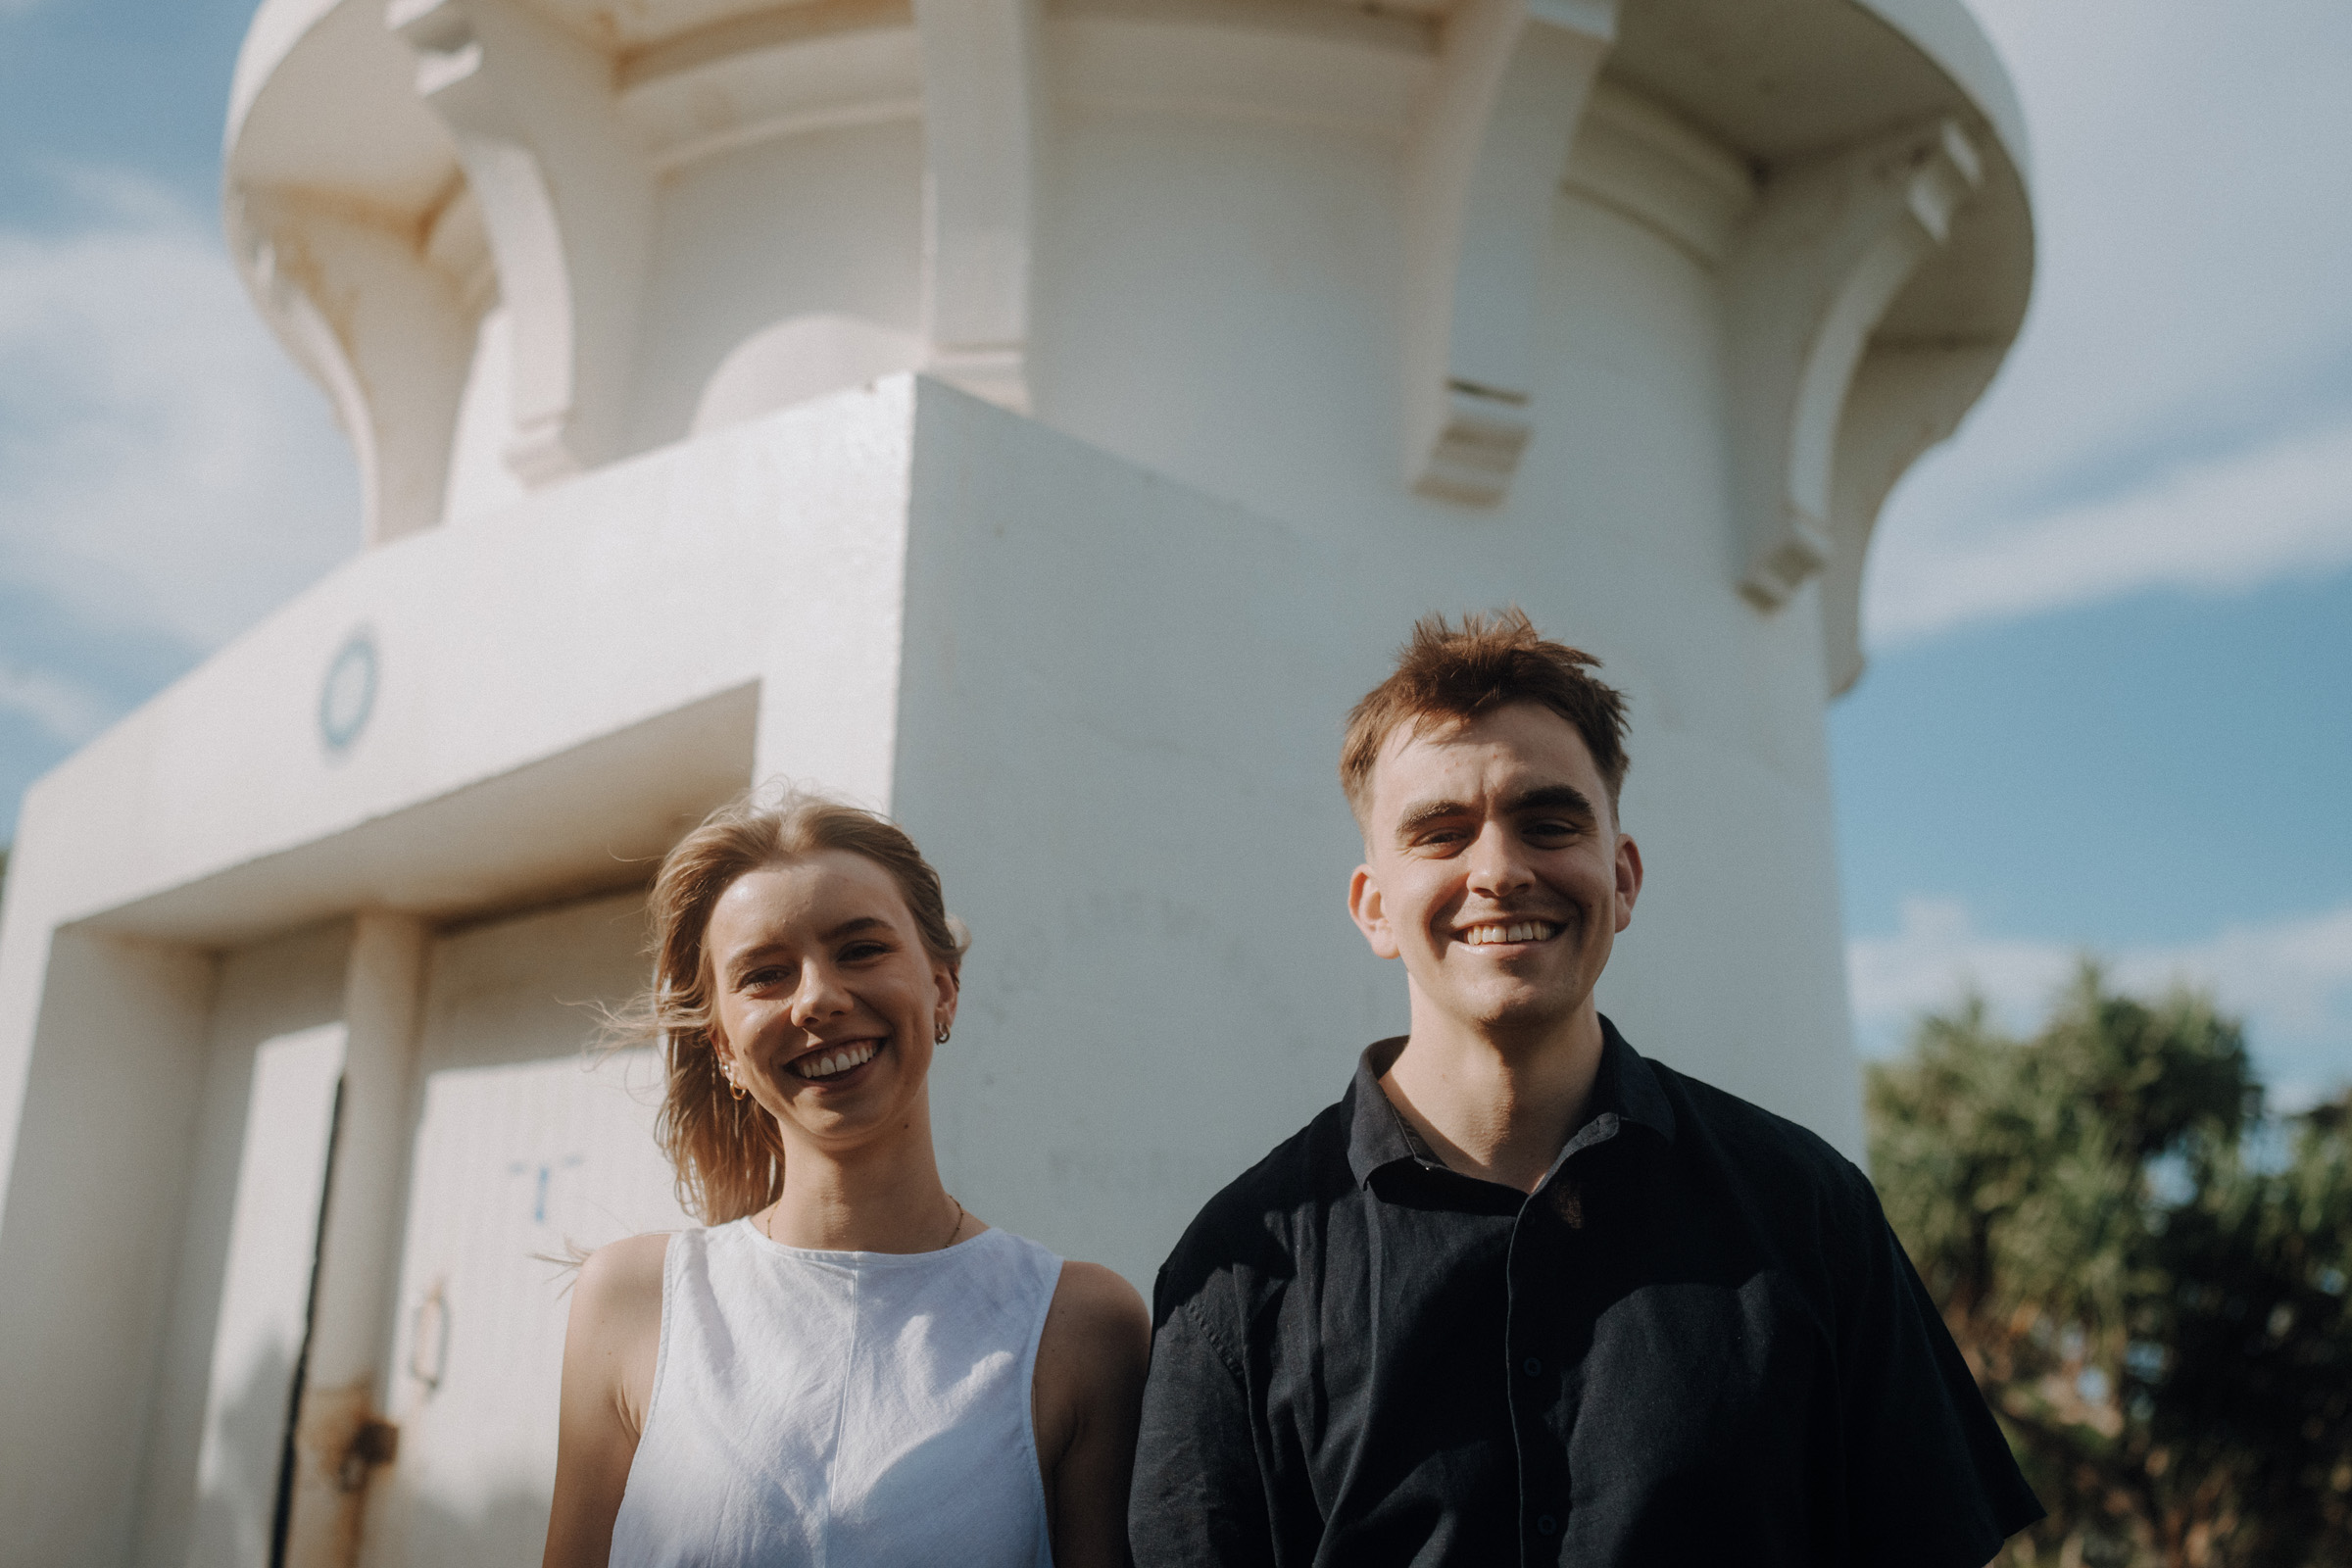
(1369,911)
(1629,879)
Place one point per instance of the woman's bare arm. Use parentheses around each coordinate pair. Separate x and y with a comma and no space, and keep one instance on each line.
(609,1347)
(1087,1395)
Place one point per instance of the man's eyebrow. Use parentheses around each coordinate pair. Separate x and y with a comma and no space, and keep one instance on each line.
(1552,797)
(1543,798)
(1420,816)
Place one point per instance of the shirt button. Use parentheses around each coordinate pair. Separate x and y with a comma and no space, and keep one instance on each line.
(1533,1366)
(1547,1525)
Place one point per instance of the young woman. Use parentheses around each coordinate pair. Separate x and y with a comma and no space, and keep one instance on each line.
(848,1366)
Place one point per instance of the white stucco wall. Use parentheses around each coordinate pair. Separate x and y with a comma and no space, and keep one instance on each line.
(827,223)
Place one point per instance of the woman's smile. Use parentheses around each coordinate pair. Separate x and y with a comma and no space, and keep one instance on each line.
(837,1064)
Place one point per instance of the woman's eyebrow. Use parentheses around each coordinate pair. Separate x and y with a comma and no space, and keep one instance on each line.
(753,953)
(739,964)
(850,927)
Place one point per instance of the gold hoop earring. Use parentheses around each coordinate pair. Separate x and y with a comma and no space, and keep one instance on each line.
(734,1085)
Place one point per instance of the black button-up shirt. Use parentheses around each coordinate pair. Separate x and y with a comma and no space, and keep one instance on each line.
(1695,1340)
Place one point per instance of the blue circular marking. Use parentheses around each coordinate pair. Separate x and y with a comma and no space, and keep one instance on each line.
(347,695)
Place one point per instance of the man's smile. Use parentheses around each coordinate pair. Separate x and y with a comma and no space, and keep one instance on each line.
(1498,933)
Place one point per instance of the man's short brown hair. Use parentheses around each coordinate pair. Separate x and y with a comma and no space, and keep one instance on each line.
(1450,675)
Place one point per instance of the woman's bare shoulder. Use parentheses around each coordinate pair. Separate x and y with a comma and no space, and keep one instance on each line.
(609,1354)
(1098,1317)
(623,1280)
(1089,1393)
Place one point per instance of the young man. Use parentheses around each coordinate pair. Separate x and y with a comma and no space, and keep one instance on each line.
(1521,1295)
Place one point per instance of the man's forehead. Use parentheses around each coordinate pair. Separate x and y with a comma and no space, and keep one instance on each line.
(1525,732)
(1525,743)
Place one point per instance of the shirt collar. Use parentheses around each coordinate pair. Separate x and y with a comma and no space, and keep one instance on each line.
(1625,1090)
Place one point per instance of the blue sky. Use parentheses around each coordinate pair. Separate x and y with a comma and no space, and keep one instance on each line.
(2110,698)
(2110,702)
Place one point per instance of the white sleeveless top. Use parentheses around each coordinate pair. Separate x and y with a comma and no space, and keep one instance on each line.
(841,1409)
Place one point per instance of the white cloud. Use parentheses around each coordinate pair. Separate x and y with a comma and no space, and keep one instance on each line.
(1937,957)
(2189,212)
(2236,522)
(2290,980)
(2190,220)
(68,710)
(162,464)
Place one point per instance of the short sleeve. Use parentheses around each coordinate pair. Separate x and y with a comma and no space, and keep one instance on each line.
(1199,1498)
(1930,1481)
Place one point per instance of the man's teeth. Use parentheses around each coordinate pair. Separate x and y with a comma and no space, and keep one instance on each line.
(834,1061)
(1480,936)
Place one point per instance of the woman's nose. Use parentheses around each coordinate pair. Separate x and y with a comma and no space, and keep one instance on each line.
(819,997)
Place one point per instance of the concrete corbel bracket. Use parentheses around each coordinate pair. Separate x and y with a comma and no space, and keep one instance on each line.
(256,226)
(567,199)
(1488,146)
(1810,278)
(381,329)
(980,132)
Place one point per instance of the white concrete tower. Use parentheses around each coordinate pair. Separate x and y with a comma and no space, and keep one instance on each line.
(1039,417)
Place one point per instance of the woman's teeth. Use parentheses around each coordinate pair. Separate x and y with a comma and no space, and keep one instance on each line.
(1480,936)
(824,1065)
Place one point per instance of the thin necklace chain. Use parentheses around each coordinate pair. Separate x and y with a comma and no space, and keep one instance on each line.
(768,1226)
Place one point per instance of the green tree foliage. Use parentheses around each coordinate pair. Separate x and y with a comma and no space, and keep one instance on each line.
(2146,1272)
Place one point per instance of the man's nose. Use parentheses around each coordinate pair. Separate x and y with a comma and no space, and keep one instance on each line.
(1497,864)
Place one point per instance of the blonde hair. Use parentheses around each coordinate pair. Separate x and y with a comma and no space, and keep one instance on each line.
(726,1153)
